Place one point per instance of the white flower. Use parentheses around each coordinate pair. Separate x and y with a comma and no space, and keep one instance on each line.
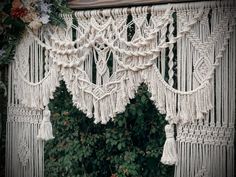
(35,24)
(44,7)
(44,19)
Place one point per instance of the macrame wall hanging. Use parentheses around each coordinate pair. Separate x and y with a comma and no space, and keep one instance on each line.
(184,53)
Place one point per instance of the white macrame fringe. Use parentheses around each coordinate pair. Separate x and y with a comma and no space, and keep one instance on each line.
(169,155)
(45,130)
(23,151)
(142,59)
(135,60)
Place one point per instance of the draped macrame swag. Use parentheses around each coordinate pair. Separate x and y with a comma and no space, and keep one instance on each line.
(103,67)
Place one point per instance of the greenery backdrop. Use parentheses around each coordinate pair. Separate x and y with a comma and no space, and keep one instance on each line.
(130,146)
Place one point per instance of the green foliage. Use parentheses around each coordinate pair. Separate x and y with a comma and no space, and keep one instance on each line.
(58,6)
(11,29)
(130,146)
(10,33)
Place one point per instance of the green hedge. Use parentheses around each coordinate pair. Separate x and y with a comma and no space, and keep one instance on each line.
(130,146)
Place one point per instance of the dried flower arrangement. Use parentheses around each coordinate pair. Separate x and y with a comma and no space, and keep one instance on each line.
(21,14)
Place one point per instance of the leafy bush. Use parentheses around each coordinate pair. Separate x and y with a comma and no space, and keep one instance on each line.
(130,146)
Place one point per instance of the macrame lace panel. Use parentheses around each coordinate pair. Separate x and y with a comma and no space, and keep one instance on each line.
(102,65)
(103,57)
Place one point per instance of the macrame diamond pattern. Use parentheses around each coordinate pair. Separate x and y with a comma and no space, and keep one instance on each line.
(23,151)
(202,69)
(75,52)
(106,55)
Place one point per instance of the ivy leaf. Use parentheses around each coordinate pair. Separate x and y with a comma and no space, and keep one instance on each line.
(143,99)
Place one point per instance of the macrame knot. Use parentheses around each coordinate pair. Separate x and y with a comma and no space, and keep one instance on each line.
(169,156)
(45,131)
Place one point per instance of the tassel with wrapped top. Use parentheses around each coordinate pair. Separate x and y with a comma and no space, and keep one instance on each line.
(169,156)
(45,130)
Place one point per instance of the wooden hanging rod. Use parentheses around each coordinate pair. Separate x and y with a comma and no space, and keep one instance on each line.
(100,4)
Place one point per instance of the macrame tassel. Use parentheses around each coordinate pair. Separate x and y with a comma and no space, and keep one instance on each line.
(45,131)
(169,156)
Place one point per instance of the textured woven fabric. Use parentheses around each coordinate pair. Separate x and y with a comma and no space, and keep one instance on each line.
(184,53)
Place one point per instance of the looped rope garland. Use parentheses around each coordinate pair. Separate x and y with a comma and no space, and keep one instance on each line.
(122,62)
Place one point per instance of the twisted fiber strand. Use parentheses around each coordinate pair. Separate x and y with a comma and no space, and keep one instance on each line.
(171,55)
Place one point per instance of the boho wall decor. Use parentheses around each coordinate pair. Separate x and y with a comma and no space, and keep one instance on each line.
(184,53)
